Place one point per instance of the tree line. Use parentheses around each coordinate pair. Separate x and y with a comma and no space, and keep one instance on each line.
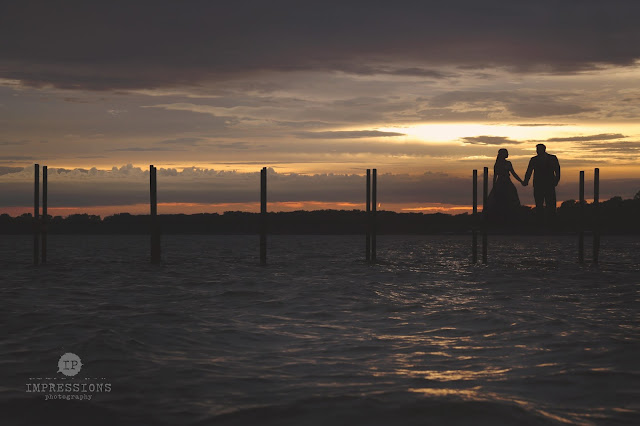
(614,216)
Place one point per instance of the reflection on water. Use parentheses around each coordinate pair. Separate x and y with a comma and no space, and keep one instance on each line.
(476,394)
(489,373)
(209,336)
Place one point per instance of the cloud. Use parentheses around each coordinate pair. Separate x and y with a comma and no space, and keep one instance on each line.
(142,149)
(352,134)
(236,145)
(16,157)
(490,140)
(273,111)
(545,108)
(345,150)
(610,147)
(449,114)
(10,143)
(181,141)
(483,98)
(76,100)
(361,69)
(151,44)
(600,137)
(129,185)
(6,170)
(524,104)
(116,112)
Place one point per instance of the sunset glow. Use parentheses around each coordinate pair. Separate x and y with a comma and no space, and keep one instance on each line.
(423,114)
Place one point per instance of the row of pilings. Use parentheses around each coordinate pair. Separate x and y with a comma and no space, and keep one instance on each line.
(479,220)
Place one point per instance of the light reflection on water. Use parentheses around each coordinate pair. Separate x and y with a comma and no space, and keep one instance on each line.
(476,394)
(210,332)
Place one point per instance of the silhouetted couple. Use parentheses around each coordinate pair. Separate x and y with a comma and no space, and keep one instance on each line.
(503,204)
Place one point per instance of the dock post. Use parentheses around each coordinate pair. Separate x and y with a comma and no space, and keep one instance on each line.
(44,215)
(474,220)
(596,214)
(36,214)
(155,229)
(368,219)
(263,216)
(485,195)
(374,203)
(581,219)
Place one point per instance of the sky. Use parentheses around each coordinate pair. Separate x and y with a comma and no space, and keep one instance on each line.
(317,91)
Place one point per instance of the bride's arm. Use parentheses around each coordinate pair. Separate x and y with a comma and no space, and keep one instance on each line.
(515,175)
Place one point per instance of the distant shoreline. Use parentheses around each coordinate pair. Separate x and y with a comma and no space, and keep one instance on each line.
(441,234)
(614,216)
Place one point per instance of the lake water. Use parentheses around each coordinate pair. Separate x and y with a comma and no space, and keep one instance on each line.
(319,336)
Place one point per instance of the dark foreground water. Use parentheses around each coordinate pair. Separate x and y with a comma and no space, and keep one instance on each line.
(319,336)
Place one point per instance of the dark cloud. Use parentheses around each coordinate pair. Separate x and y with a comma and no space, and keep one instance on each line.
(490,140)
(353,134)
(302,124)
(147,44)
(77,100)
(626,188)
(362,69)
(129,185)
(236,145)
(419,72)
(519,104)
(449,114)
(338,150)
(545,108)
(600,137)
(480,98)
(610,147)
(15,157)
(8,143)
(181,141)
(142,149)
(6,170)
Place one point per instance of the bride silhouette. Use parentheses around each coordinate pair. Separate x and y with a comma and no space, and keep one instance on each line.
(503,202)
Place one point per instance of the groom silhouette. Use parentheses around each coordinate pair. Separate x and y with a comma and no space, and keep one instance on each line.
(546,175)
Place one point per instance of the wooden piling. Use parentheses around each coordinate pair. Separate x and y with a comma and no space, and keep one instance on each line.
(44,215)
(155,228)
(374,204)
(581,219)
(485,195)
(36,214)
(474,220)
(368,218)
(263,216)
(596,214)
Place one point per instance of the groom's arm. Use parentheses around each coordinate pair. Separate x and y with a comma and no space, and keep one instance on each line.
(557,170)
(527,175)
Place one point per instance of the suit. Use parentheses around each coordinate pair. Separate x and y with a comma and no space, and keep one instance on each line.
(546,175)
